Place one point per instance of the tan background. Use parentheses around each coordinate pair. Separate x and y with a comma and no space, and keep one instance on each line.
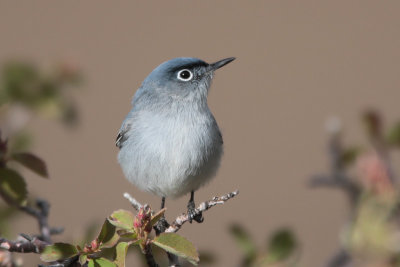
(297,64)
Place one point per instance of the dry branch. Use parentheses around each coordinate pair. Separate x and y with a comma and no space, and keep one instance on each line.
(181,219)
(23,246)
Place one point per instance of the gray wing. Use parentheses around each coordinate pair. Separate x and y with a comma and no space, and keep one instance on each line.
(122,134)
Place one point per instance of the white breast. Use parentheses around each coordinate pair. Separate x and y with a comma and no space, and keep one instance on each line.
(170,156)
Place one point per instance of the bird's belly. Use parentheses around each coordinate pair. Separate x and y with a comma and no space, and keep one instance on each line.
(171,161)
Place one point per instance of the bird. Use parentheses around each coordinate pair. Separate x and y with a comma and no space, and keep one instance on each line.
(170,143)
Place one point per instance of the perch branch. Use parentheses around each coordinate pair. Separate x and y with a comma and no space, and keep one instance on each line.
(135,204)
(177,224)
(181,219)
(23,246)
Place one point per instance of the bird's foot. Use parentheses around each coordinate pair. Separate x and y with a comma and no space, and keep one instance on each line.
(161,226)
(193,214)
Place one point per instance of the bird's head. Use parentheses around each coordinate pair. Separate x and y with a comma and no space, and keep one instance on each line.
(183,77)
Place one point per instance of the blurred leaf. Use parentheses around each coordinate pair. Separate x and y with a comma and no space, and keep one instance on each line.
(349,155)
(177,245)
(122,219)
(12,187)
(82,259)
(70,114)
(281,245)
(19,82)
(393,137)
(121,250)
(373,123)
(31,162)
(3,147)
(58,251)
(207,257)
(101,262)
(108,237)
(20,141)
(244,241)
(51,107)
(6,213)
(157,216)
(25,84)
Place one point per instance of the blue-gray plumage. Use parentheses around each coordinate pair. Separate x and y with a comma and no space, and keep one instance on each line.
(170,143)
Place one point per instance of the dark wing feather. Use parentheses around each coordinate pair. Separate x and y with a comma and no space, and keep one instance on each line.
(122,136)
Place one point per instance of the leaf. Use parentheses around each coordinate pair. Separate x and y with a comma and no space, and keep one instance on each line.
(58,251)
(127,235)
(177,245)
(244,241)
(393,136)
(108,236)
(101,262)
(12,187)
(349,155)
(281,245)
(20,141)
(31,162)
(122,219)
(121,250)
(157,216)
(82,259)
(373,122)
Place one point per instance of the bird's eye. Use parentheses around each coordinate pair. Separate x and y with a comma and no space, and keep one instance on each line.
(185,75)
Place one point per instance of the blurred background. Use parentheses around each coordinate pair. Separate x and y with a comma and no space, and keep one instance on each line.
(299,64)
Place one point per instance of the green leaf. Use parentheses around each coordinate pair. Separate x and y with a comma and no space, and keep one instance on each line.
(177,245)
(122,219)
(349,155)
(82,259)
(121,250)
(108,236)
(281,245)
(244,241)
(101,262)
(31,162)
(157,216)
(20,141)
(12,187)
(58,251)
(393,137)
(127,235)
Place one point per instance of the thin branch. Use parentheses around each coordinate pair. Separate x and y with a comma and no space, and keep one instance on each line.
(135,204)
(41,214)
(148,253)
(341,259)
(23,246)
(176,225)
(181,219)
(338,181)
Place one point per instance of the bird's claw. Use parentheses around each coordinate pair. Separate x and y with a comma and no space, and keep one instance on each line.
(193,215)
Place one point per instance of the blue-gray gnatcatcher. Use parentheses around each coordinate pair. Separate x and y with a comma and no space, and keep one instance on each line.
(170,143)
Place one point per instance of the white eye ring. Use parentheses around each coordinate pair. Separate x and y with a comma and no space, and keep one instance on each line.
(183,75)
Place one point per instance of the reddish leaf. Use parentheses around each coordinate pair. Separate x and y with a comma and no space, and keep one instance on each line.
(31,162)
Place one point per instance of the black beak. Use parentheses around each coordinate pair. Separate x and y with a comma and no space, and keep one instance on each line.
(221,63)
